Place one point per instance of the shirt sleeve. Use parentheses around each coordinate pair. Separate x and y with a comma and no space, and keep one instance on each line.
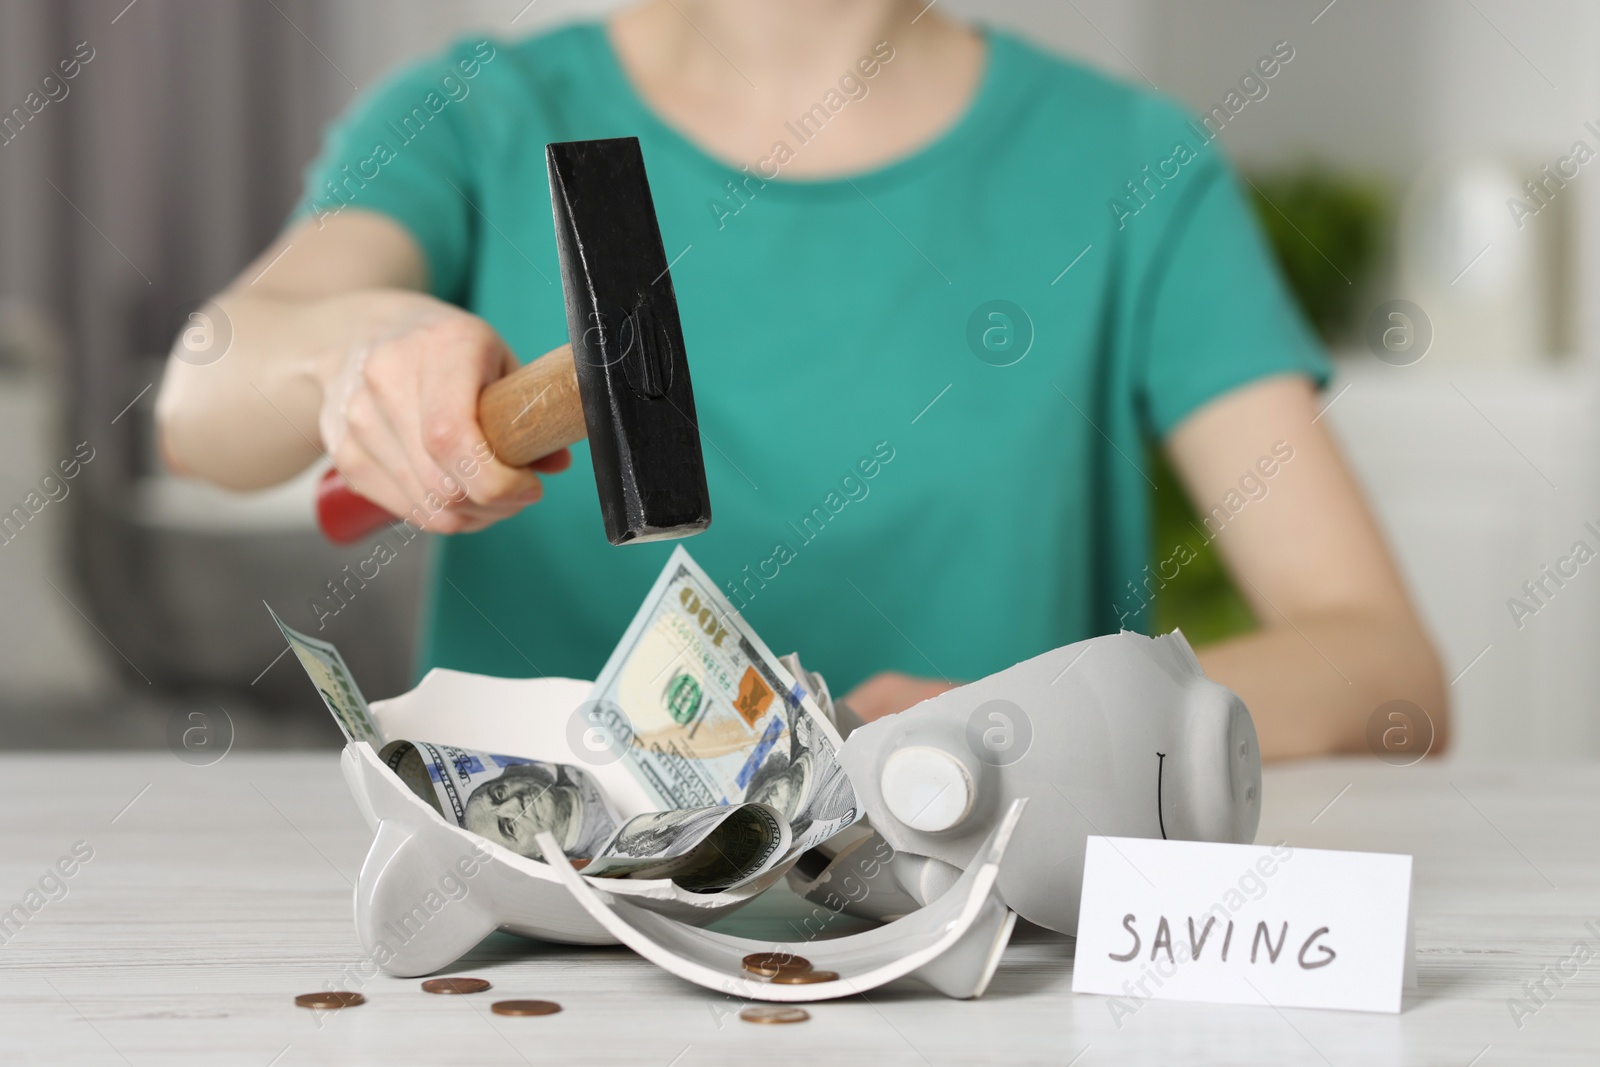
(1212,312)
(406,149)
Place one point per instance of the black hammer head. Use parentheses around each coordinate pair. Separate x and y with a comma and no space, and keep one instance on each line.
(627,343)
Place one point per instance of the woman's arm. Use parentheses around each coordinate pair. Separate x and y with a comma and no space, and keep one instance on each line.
(335,350)
(1338,635)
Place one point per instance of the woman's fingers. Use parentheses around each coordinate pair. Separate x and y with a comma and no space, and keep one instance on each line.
(400,420)
(467,356)
(890,692)
(379,419)
(468,518)
(368,478)
(554,463)
(368,426)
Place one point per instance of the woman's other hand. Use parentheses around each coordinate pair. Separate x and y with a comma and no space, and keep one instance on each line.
(890,692)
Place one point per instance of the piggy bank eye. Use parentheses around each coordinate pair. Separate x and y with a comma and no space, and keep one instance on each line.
(1161,819)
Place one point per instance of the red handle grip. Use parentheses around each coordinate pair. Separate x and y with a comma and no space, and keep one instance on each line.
(345,516)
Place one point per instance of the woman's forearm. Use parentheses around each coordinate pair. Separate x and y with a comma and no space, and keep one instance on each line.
(337,350)
(1312,686)
(248,419)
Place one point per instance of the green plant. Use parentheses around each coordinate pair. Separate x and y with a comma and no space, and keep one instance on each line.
(1200,598)
(1327,232)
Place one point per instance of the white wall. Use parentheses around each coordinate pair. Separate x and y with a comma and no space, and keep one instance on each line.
(1401,89)
(366,37)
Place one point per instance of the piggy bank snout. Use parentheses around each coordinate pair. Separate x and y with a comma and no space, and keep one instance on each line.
(927,788)
(927,776)
(1219,772)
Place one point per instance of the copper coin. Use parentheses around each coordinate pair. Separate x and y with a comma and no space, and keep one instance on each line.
(772,1014)
(783,958)
(768,964)
(454,985)
(805,977)
(329,999)
(524,1007)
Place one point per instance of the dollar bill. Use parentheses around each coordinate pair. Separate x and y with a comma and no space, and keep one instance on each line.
(701,849)
(832,803)
(507,799)
(738,756)
(814,684)
(808,784)
(704,714)
(510,800)
(333,680)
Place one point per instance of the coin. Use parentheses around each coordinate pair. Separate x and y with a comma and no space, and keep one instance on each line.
(329,999)
(524,1007)
(768,964)
(772,1013)
(780,958)
(805,977)
(454,985)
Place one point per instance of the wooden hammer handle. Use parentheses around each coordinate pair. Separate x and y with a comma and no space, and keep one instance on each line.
(531,412)
(534,410)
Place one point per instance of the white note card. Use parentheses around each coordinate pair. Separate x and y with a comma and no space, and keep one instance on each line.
(1243,924)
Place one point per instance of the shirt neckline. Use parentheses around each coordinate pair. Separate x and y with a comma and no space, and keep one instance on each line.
(954,140)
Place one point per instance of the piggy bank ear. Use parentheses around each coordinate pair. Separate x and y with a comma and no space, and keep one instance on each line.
(1212,787)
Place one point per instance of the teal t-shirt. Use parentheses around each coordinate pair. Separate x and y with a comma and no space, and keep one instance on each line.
(924,392)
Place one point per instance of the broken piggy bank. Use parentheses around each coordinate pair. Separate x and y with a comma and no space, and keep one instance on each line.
(1120,736)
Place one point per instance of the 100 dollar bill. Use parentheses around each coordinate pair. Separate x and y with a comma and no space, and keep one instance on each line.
(507,799)
(510,800)
(701,849)
(334,682)
(704,714)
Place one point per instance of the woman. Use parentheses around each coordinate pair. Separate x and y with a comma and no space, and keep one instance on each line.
(938,289)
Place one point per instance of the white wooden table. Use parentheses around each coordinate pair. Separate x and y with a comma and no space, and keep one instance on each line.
(215,894)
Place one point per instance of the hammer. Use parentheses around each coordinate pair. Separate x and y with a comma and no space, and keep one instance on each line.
(623,382)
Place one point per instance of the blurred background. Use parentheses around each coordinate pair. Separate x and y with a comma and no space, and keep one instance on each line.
(1422,169)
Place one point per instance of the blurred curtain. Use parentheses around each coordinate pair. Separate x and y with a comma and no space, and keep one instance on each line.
(173,157)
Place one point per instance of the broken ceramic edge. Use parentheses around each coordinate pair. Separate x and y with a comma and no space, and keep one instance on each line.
(962,936)
(380,795)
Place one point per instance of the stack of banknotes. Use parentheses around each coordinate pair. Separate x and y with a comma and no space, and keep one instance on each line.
(737,748)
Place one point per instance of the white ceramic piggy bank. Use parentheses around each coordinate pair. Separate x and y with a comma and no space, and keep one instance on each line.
(1119,736)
